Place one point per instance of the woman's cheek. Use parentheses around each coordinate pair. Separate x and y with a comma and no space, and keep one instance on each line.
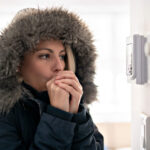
(42,70)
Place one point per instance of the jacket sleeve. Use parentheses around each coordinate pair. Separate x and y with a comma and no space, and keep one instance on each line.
(86,135)
(52,133)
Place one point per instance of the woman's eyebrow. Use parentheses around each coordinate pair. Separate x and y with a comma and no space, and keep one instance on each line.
(50,50)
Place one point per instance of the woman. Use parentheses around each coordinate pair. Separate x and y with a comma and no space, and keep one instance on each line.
(46,81)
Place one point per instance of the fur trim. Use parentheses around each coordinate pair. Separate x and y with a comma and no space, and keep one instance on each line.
(27,28)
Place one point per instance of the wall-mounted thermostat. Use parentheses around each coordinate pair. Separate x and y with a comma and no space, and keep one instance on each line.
(136,61)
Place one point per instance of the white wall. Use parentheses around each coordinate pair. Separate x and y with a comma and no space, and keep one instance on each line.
(140,23)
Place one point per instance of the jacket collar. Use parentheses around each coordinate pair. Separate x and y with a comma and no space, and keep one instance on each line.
(43,96)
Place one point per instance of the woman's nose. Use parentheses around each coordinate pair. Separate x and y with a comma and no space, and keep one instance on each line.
(58,65)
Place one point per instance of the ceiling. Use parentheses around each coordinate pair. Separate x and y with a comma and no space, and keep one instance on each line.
(98,5)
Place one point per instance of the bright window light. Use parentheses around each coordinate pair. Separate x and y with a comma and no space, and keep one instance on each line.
(110,31)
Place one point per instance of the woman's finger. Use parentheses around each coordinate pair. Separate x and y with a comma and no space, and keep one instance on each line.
(67,74)
(68,88)
(72,83)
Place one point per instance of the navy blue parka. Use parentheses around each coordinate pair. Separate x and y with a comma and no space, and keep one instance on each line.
(33,124)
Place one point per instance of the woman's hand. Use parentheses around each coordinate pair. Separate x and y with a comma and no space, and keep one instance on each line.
(68,81)
(59,97)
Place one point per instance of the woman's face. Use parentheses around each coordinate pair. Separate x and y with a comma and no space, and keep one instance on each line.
(42,65)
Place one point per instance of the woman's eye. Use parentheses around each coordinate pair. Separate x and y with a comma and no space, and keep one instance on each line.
(62,57)
(44,56)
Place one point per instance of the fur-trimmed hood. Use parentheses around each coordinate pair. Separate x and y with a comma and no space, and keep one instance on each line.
(27,28)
